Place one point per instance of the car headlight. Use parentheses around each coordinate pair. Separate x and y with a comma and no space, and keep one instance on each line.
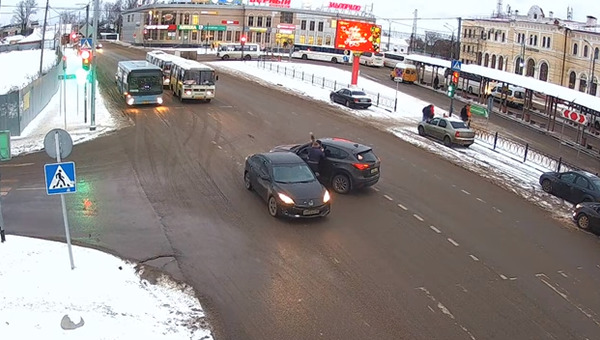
(130,101)
(208,93)
(326,197)
(285,199)
(578,206)
(188,93)
(159,100)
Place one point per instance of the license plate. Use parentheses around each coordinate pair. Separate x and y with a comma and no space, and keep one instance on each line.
(311,212)
(374,170)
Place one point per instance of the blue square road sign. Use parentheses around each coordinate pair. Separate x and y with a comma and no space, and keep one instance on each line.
(60,178)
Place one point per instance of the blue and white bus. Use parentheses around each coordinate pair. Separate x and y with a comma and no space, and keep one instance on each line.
(322,53)
(140,82)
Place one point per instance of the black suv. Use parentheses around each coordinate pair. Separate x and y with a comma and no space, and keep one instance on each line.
(347,165)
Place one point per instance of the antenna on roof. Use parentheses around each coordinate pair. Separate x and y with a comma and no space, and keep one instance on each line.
(569,13)
(499,9)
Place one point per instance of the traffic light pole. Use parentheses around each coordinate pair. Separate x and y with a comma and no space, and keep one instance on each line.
(451,105)
(94,66)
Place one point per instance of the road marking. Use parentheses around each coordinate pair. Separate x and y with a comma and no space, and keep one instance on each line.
(466,192)
(473,257)
(31,188)
(214,143)
(388,198)
(3,193)
(220,148)
(453,242)
(418,217)
(445,310)
(403,207)
(545,280)
(480,200)
(15,165)
(374,188)
(503,277)
(513,278)
(435,229)
(454,185)
(498,210)
(413,164)
(437,177)
(563,274)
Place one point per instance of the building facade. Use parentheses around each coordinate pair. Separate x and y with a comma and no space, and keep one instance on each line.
(201,24)
(546,48)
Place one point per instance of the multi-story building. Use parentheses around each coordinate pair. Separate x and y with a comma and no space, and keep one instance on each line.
(544,47)
(269,23)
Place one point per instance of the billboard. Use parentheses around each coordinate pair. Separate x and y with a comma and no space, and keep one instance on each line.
(271,3)
(357,36)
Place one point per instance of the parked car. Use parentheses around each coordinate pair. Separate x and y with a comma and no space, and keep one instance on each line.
(353,98)
(587,216)
(573,186)
(449,130)
(288,185)
(347,165)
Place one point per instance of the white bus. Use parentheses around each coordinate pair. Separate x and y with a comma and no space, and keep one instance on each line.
(322,53)
(371,59)
(139,82)
(192,80)
(164,61)
(227,51)
(391,59)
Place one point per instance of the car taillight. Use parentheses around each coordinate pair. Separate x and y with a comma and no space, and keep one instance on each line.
(457,134)
(361,166)
(356,100)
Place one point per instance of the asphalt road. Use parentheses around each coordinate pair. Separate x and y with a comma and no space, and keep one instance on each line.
(432,252)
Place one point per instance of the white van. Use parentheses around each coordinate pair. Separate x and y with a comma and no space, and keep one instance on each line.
(374,59)
(515,95)
(227,51)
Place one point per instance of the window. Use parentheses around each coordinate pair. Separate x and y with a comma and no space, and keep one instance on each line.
(493,62)
(594,87)
(496,36)
(250,20)
(442,124)
(286,18)
(303,39)
(328,40)
(186,19)
(585,51)
(228,36)
(303,25)
(572,77)
(596,51)
(500,63)
(220,35)
(333,152)
(267,38)
(268,20)
(574,49)
(258,37)
(548,42)
(321,24)
(238,34)
(292,173)
(312,26)
(503,37)
(582,182)
(259,21)
(195,19)
(544,71)
(319,40)
(567,177)
(582,83)
(535,40)
(194,36)
(489,37)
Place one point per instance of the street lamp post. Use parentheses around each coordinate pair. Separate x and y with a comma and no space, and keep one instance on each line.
(451,29)
(594,56)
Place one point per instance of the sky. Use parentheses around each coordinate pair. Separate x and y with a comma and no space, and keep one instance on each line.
(404,9)
(145,310)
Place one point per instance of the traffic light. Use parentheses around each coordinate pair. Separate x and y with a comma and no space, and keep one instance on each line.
(455,76)
(451,90)
(243,39)
(453,84)
(86,59)
(73,36)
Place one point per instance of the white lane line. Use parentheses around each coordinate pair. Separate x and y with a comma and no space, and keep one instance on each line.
(3,193)
(480,200)
(503,277)
(454,185)
(31,188)
(15,165)
(564,295)
(388,198)
(418,217)
(563,274)
(220,148)
(413,164)
(435,229)
(402,207)
(513,278)
(498,210)
(453,242)
(466,192)
(445,310)
(214,142)
(374,188)
(473,257)
(437,177)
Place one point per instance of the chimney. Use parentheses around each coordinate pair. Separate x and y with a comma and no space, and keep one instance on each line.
(551,14)
(591,21)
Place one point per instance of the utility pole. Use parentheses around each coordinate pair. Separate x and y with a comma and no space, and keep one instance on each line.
(43,38)
(389,33)
(94,65)
(87,20)
(457,54)
(413,36)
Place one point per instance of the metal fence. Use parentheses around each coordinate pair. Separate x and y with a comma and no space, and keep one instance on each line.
(19,107)
(378,100)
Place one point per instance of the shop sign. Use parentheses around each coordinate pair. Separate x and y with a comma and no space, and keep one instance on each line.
(189,27)
(258,29)
(286,27)
(342,6)
(215,28)
(156,27)
(272,3)
(230,22)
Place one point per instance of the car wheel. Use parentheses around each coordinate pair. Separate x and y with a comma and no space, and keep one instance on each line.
(226,57)
(583,221)
(341,184)
(547,186)
(273,207)
(347,103)
(421,131)
(304,57)
(247,183)
(447,141)
(247,57)
(331,97)
(334,60)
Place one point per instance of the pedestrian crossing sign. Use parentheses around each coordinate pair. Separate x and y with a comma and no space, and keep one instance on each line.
(60,178)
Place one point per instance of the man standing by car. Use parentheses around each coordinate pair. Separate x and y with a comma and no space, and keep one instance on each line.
(315,155)
(428,112)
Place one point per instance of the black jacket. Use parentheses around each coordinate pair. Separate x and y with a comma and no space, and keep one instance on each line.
(315,155)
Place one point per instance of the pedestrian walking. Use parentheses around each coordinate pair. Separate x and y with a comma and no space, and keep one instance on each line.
(428,112)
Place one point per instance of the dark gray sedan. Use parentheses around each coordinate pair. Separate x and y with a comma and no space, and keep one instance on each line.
(449,130)
(573,186)
(351,97)
(288,185)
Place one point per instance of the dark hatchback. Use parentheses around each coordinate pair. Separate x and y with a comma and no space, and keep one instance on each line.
(587,216)
(573,186)
(347,165)
(352,98)
(288,185)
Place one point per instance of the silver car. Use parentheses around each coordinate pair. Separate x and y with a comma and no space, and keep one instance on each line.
(449,130)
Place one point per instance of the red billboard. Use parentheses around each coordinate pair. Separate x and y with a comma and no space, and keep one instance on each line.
(272,3)
(357,36)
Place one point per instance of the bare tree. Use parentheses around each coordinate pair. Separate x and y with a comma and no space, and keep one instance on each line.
(68,17)
(430,40)
(129,4)
(24,10)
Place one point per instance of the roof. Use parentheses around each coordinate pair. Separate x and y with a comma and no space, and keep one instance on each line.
(283,157)
(554,90)
(188,64)
(345,144)
(138,64)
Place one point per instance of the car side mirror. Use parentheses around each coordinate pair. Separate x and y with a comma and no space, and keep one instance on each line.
(217,78)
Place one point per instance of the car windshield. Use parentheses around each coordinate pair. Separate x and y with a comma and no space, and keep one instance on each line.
(198,77)
(458,125)
(292,173)
(367,156)
(596,182)
(358,93)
